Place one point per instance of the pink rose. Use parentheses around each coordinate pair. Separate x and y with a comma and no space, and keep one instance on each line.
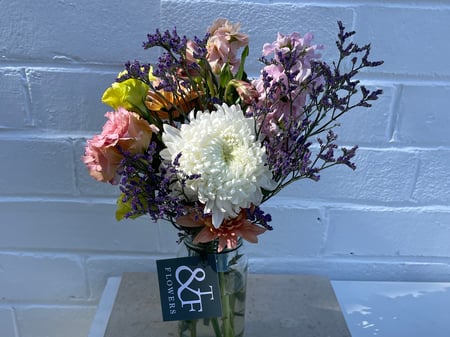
(123,129)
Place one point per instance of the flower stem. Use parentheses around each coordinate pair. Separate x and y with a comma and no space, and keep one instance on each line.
(193,328)
(216,327)
(227,316)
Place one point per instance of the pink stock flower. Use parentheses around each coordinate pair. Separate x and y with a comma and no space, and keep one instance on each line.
(191,50)
(124,130)
(298,46)
(282,110)
(292,55)
(276,74)
(223,43)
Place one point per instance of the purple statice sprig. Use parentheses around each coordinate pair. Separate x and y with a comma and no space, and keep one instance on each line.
(335,94)
(145,186)
(171,59)
(152,186)
(258,216)
(312,106)
(135,70)
(168,40)
(327,153)
(180,176)
(174,79)
(177,72)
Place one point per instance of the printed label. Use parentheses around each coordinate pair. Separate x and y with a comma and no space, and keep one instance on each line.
(189,288)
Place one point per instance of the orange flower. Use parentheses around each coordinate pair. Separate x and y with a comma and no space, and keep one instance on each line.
(166,104)
(228,232)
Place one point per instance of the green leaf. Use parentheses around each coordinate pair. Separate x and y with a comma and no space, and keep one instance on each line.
(225,76)
(123,208)
(240,73)
(230,96)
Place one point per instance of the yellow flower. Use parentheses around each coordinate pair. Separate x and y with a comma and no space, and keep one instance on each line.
(151,77)
(129,94)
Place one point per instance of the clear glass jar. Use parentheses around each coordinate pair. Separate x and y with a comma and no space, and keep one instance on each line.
(232,266)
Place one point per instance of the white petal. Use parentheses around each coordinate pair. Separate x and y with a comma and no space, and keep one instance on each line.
(217,218)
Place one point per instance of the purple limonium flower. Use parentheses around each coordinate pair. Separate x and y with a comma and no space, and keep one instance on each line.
(136,70)
(300,100)
(146,186)
(281,85)
(294,52)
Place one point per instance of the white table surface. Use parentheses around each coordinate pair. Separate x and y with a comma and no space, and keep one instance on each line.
(395,309)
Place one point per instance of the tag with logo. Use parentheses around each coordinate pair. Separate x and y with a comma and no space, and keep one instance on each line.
(189,288)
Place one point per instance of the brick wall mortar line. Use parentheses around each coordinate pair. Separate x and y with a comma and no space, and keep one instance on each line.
(27,94)
(369,76)
(277,201)
(15,322)
(339,4)
(30,64)
(394,114)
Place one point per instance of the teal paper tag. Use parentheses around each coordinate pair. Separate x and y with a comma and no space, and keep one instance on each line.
(189,288)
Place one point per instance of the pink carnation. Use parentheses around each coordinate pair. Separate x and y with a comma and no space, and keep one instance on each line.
(123,129)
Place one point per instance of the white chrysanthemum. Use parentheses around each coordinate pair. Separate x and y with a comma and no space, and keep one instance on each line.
(221,146)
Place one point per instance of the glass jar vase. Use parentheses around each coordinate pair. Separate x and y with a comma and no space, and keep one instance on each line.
(232,267)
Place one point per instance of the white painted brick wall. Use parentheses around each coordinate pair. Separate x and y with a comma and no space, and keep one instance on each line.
(389,220)
(422,116)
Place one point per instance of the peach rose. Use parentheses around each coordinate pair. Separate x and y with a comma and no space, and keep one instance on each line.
(124,130)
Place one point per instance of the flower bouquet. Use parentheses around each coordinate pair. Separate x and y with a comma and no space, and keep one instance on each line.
(194,141)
